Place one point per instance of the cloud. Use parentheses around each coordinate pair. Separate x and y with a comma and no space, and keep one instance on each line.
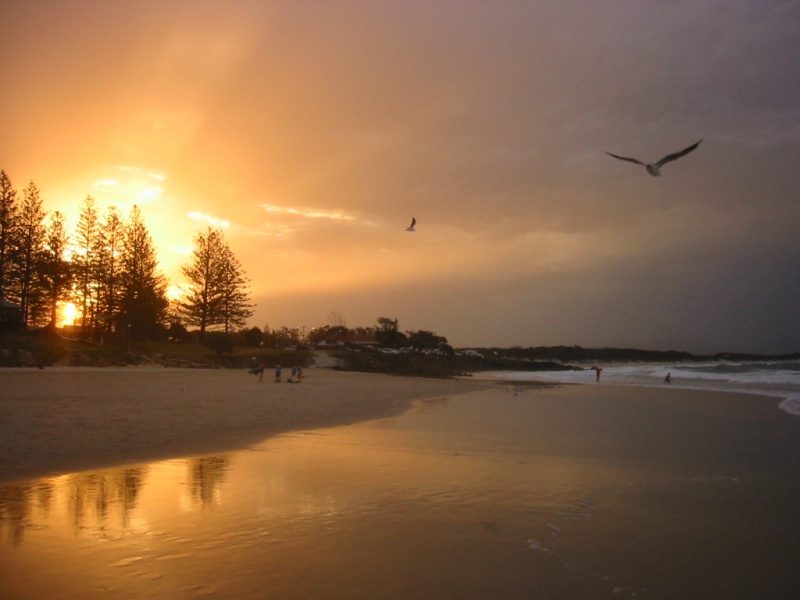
(308,213)
(198,216)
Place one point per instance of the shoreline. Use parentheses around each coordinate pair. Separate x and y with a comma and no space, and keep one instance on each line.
(70,419)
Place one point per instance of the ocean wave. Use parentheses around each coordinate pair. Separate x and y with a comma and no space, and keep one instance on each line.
(774,379)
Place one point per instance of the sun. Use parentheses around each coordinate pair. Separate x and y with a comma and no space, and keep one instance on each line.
(68,313)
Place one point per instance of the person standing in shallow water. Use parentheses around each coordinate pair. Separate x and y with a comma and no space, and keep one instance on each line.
(597,371)
(668,378)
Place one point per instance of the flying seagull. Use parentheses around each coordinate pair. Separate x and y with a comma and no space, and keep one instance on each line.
(655,168)
(411,227)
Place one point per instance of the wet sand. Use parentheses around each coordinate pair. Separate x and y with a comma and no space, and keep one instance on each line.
(63,420)
(486,491)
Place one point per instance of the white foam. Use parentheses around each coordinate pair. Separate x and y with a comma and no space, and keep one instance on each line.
(778,380)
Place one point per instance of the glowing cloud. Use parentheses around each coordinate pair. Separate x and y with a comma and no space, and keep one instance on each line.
(310,213)
(198,216)
(105,183)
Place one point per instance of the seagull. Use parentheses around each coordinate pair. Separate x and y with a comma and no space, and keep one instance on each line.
(655,168)
(411,227)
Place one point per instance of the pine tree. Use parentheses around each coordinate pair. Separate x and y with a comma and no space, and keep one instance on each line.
(109,246)
(54,269)
(8,216)
(236,308)
(202,298)
(144,299)
(216,293)
(29,246)
(85,262)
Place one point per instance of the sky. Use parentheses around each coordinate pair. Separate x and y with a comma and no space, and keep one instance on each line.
(311,132)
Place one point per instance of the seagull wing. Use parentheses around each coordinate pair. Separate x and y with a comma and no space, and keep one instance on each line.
(633,160)
(677,155)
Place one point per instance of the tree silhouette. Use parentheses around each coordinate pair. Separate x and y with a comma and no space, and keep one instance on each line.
(85,263)
(144,298)
(29,243)
(54,270)
(8,211)
(216,293)
(108,289)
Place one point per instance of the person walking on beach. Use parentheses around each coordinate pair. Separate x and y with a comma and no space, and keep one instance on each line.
(299,374)
(668,378)
(278,374)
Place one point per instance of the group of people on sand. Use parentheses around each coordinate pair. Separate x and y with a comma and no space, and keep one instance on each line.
(295,377)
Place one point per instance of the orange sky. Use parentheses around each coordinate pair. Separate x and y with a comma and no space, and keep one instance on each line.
(313,131)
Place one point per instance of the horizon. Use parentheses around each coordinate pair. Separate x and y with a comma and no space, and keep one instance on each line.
(311,133)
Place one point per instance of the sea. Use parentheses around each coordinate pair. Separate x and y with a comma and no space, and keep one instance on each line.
(779,379)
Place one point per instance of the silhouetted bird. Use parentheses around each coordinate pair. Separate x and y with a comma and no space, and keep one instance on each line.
(655,168)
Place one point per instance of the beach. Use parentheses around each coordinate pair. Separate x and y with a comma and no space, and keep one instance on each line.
(63,419)
(180,483)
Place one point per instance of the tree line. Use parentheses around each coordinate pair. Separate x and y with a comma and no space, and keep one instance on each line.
(108,268)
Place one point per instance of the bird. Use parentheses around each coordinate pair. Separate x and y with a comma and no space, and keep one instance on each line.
(655,168)
(411,227)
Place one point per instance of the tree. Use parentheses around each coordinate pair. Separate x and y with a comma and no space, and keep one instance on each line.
(28,248)
(425,339)
(221,343)
(85,262)
(336,319)
(109,248)
(388,334)
(54,269)
(281,338)
(144,297)
(202,298)
(216,293)
(235,308)
(8,215)
(251,337)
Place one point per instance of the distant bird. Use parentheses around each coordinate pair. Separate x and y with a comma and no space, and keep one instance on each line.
(655,168)
(411,227)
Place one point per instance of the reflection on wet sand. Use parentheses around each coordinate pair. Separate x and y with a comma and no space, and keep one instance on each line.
(206,476)
(102,504)
(21,506)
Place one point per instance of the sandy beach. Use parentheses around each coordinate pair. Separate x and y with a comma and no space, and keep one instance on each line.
(470,488)
(64,419)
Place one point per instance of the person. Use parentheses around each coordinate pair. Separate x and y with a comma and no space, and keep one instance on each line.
(668,378)
(291,377)
(299,374)
(257,369)
(278,374)
(597,373)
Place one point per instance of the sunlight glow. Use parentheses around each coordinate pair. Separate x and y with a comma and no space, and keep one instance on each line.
(68,313)
(174,292)
(136,186)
